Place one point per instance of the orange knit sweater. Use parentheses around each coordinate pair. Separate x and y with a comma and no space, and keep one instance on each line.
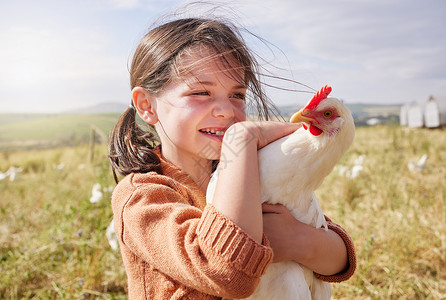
(174,246)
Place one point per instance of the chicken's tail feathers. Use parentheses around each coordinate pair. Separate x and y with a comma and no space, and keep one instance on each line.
(321,290)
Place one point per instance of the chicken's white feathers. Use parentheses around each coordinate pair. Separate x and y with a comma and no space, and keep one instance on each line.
(291,169)
(418,166)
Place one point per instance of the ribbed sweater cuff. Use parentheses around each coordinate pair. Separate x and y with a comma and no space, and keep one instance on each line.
(351,254)
(228,240)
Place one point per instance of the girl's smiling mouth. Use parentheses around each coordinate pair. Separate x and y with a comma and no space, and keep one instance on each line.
(214,133)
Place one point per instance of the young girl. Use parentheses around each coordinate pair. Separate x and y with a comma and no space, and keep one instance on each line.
(191,80)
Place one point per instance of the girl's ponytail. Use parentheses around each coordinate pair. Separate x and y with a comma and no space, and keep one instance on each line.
(131,148)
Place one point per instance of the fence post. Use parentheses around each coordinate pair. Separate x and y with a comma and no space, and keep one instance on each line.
(92,143)
(102,139)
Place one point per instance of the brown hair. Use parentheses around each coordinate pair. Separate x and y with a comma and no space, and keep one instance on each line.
(155,63)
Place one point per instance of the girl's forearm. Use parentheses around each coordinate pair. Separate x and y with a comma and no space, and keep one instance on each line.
(237,193)
(322,251)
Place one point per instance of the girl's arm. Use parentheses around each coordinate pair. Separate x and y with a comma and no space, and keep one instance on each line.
(169,240)
(325,252)
(237,193)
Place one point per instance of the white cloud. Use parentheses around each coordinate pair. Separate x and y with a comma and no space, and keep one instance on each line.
(370,50)
(124,4)
(385,47)
(58,69)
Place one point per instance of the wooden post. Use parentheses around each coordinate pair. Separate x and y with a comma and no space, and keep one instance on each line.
(92,143)
(102,139)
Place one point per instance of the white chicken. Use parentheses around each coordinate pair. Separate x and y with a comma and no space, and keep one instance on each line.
(110,233)
(96,193)
(418,166)
(291,169)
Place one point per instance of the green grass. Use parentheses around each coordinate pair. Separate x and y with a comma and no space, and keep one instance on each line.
(31,131)
(52,239)
(53,243)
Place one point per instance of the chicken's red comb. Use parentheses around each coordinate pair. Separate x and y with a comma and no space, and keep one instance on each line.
(321,95)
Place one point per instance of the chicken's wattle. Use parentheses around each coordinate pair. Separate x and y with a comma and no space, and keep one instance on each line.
(313,129)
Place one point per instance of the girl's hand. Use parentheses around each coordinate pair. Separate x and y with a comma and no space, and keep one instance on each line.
(241,134)
(294,240)
(283,231)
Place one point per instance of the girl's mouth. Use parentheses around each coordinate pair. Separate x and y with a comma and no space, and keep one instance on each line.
(212,131)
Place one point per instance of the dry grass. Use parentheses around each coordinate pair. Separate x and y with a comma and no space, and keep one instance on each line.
(397,218)
(53,244)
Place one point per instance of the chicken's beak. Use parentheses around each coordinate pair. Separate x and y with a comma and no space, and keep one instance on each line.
(299,117)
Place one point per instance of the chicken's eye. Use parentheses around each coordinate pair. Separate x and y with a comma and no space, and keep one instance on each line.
(328,113)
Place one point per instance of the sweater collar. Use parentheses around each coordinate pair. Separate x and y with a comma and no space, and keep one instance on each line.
(170,170)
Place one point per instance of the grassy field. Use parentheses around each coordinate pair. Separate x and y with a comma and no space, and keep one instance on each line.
(43,131)
(53,243)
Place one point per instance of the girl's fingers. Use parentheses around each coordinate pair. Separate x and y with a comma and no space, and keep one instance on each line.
(261,132)
(271,131)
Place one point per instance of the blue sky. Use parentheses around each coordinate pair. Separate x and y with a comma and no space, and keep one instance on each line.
(62,55)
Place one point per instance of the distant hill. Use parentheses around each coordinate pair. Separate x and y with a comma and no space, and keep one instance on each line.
(40,131)
(383,114)
(36,131)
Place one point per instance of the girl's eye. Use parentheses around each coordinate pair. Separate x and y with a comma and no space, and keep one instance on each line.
(202,93)
(328,113)
(240,96)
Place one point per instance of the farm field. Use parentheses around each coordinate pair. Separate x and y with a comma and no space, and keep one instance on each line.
(42,131)
(53,243)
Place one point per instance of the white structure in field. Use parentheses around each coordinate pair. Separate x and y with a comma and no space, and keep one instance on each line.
(403,114)
(414,115)
(435,112)
(431,115)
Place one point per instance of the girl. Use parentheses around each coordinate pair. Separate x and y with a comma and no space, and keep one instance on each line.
(191,79)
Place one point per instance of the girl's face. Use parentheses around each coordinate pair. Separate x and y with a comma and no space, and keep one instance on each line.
(194,111)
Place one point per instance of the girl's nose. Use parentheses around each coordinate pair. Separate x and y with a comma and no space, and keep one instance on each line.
(223,108)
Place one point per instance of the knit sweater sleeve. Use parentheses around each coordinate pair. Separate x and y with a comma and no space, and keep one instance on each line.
(203,250)
(351,255)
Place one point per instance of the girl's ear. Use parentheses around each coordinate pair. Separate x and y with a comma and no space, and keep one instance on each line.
(145,105)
